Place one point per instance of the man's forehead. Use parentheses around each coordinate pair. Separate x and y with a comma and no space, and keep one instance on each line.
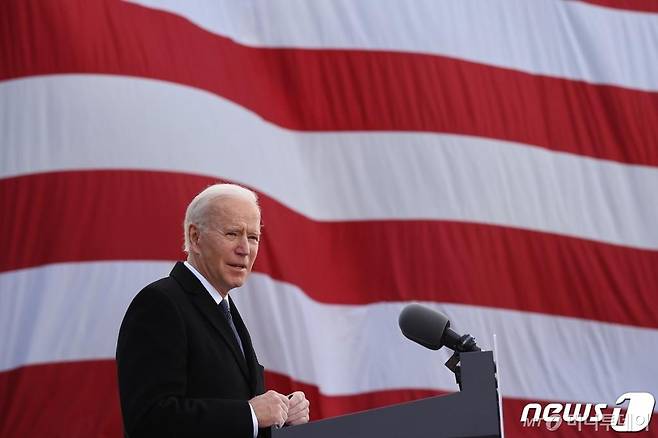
(233,211)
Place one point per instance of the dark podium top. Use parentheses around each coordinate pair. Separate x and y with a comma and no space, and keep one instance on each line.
(471,412)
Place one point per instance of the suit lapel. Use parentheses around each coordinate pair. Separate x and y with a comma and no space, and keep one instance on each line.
(250,354)
(204,303)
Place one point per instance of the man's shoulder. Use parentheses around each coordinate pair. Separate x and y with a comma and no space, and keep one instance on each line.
(166,285)
(164,291)
(157,308)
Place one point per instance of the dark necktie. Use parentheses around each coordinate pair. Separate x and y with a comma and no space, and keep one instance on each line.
(223,306)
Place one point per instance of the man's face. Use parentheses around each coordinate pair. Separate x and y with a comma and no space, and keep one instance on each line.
(226,245)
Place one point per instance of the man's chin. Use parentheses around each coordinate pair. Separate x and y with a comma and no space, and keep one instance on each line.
(239,282)
(236,279)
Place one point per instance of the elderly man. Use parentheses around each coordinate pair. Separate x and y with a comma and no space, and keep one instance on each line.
(185,360)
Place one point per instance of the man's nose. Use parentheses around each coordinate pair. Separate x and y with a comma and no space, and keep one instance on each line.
(243,246)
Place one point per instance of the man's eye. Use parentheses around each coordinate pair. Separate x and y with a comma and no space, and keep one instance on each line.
(254,238)
(231,233)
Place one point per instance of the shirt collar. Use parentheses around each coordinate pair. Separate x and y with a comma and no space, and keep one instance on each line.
(209,287)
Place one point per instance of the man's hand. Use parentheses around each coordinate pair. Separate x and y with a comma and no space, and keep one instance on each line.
(298,412)
(270,408)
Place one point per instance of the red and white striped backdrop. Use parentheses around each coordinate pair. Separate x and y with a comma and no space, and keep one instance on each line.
(495,159)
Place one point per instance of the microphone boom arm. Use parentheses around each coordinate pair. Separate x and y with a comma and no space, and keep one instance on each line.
(465,343)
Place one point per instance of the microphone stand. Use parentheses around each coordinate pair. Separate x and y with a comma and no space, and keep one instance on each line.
(464,344)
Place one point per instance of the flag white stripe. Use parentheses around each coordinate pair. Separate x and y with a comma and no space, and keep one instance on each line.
(152,125)
(343,349)
(567,39)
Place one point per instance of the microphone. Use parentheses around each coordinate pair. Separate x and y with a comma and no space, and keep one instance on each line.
(431,329)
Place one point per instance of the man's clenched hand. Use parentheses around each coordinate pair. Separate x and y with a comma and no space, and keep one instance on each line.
(298,409)
(270,408)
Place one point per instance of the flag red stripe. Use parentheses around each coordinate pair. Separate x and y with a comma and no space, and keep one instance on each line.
(333,262)
(630,5)
(36,401)
(333,90)
(74,399)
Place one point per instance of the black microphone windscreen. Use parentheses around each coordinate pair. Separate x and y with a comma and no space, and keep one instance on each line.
(423,325)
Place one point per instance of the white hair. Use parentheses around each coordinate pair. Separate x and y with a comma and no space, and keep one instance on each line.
(197,209)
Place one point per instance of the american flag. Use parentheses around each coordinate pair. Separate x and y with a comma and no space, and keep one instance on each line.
(496,160)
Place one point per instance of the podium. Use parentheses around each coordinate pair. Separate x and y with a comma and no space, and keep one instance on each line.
(472,412)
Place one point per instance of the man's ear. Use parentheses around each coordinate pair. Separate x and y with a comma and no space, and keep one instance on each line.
(193,234)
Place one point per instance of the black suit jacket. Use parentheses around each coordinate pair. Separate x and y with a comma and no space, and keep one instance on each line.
(181,371)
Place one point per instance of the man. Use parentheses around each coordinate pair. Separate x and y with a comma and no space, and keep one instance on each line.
(185,360)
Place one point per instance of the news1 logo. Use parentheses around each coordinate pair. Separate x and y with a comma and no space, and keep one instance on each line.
(637,416)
